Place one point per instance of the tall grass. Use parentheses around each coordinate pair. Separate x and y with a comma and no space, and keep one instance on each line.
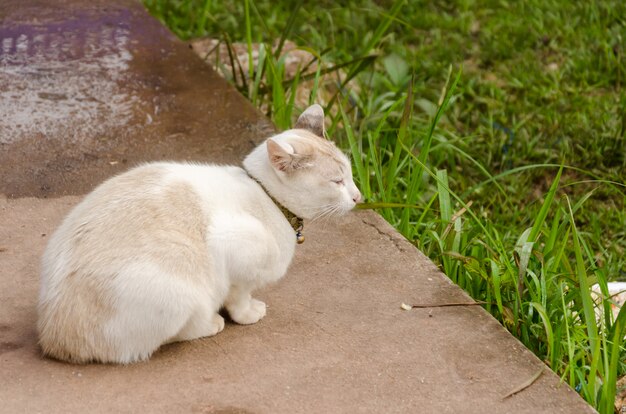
(534,273)
(535,280)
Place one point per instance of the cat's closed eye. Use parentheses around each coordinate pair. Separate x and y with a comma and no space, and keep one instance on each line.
(338,181)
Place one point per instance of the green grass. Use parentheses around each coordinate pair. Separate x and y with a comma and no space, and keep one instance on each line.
(490,133)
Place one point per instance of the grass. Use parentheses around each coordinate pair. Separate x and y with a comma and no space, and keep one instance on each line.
(490,133)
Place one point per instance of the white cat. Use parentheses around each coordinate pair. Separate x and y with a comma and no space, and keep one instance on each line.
(150,256)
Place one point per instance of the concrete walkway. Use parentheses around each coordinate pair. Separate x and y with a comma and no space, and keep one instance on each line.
(89,88)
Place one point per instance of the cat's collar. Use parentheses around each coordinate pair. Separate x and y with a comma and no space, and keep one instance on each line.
(297,223)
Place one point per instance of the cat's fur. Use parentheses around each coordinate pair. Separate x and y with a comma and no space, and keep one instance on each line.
(150,256)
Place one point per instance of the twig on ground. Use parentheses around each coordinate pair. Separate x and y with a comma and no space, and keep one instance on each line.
(454,217)
(526,384)
(444,305)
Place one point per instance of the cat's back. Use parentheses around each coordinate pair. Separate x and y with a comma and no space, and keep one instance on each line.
(164,181)
(148,211)
(158,186)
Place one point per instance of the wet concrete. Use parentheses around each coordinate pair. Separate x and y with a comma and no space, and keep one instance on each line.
(88,89)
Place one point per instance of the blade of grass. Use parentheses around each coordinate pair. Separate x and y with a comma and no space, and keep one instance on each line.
(364,60)
(357,157)
(204,12)
(588,307)
(547,328)
(545,208)
(383,26)
(231,58)
(416,175)
(445,207)
(248,23)
(360,65)
(316,84)
(372,206)
(392,168)
(288,27)
(255,86)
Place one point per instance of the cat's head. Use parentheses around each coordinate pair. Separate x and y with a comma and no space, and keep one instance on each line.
(312,177)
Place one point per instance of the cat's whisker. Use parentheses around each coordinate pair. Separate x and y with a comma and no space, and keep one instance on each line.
(324,212)
(319,211)
(327,212)
(317,208)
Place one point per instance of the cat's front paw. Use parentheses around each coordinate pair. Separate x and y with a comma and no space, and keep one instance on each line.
(247,313)
(217,326)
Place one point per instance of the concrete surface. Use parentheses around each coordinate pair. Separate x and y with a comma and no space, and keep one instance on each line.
(335,338)
(88,88)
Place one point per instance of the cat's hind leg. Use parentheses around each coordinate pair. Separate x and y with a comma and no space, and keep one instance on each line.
(242,308)
(200,325)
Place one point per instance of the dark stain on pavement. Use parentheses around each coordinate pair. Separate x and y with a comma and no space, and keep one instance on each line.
(92,94)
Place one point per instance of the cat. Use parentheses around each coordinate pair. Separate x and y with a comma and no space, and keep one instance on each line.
(151,255)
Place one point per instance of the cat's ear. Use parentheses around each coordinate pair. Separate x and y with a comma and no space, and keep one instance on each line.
(312,119)
(284,158)
(281,158)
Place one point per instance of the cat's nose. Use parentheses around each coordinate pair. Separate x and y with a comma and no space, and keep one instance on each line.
(357,197)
